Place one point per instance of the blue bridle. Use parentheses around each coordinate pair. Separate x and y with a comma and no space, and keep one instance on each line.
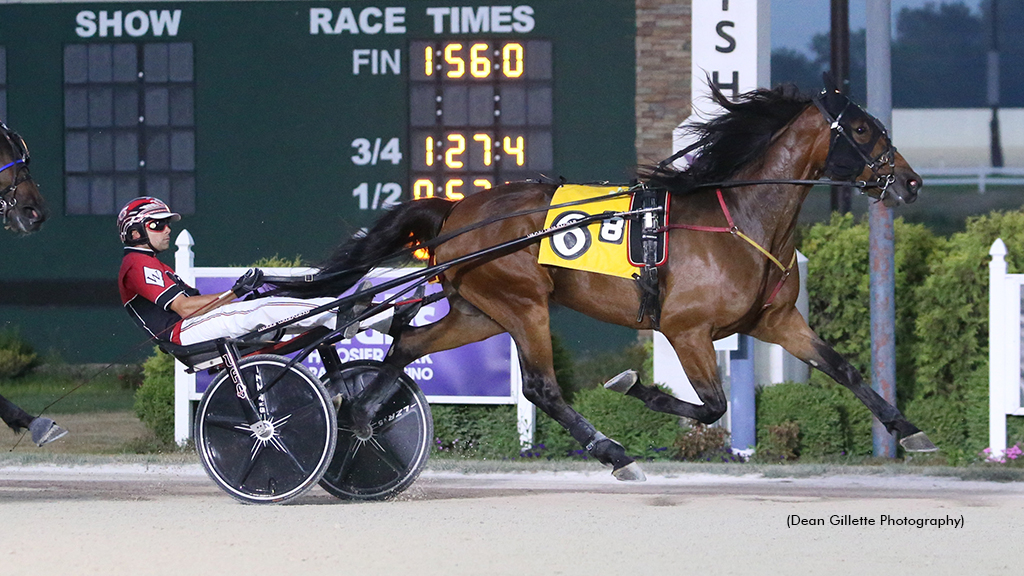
(9,164)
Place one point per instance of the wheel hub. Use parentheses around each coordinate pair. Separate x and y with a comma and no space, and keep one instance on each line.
(364,432)
(263,430)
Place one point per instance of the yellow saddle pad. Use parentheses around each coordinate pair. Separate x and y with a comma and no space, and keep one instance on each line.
(599,247)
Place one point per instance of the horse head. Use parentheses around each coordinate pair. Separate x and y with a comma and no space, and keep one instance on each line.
(22,207)
(860,148)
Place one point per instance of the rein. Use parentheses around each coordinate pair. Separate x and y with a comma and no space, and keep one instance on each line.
(735,231)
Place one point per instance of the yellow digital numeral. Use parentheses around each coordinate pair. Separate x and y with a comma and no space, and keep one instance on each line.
(512,60)
(428,60)
(428,144)
(482,183)
(479,66)
(486,141)
(459,147)
(422,189)
(450,191)
(456,61)
(517,150)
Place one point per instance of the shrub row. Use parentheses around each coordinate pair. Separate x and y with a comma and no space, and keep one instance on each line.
(941,330)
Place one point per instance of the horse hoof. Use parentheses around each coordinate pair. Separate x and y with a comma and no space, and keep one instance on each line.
(623,382)
(918,442)
(45,431)
(629,473)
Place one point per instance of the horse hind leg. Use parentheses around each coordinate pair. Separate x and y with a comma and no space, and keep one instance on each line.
(541,388)
(539,384)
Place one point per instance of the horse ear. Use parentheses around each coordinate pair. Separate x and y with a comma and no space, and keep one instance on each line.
(830,83)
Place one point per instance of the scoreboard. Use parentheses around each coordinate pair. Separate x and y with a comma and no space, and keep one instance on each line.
(326,112)
(279,127)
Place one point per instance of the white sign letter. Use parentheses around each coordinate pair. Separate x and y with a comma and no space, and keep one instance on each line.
(319,20)
(438,15)
(86,20)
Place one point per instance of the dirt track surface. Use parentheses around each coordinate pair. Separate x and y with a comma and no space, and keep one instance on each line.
(171,519)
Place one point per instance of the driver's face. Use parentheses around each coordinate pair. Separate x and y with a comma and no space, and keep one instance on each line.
(159,239)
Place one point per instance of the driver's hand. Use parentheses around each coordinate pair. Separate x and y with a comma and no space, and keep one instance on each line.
(248,282)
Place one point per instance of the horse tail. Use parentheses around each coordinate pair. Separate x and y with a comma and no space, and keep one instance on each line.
(404,225)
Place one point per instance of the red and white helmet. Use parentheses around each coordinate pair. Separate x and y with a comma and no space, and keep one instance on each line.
(137,212)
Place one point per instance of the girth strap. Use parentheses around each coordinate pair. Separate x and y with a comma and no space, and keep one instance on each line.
(647,280)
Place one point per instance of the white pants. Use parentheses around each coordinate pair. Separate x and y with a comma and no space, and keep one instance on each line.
(238,318)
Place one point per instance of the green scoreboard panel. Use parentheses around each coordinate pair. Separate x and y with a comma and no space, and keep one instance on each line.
(278,128)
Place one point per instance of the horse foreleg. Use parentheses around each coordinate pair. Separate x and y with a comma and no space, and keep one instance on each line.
(697,356)
(789,329)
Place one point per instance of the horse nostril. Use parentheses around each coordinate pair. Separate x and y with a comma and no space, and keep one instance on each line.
(914,185)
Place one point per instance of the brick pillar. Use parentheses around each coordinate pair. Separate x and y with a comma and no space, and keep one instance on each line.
(662,75)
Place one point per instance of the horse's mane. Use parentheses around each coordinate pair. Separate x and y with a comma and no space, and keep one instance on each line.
(732,140)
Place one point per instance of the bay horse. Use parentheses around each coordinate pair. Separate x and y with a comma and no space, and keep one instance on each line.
(23,212)
(756,165)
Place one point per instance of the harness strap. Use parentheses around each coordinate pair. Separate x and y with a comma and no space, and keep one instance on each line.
(6,204)
(9,164)
(735,231)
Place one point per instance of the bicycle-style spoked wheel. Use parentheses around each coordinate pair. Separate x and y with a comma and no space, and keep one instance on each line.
(389,460)
(274,444)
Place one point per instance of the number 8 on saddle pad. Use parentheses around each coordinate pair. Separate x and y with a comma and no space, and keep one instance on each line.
(600,247)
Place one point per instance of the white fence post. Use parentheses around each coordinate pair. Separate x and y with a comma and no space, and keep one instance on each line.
(1001,365)
(526,412)
(184,262)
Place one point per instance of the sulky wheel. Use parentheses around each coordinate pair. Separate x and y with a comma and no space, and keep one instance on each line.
(384,464)
(271,446)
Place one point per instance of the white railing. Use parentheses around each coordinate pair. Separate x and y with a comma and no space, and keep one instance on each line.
(1005,384)
(452,378)
(982,176)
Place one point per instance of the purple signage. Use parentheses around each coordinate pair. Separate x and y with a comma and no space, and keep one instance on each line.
(480,370)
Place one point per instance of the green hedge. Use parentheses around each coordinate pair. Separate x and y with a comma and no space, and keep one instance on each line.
(951,394)
(941,325)
(830,420)
(154,400)
(16,354)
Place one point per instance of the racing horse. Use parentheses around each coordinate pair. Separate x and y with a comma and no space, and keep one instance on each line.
(756,165)
(23,211)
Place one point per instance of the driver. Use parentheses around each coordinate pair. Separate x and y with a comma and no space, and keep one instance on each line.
(158,300)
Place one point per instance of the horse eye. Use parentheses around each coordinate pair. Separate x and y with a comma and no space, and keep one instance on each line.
(861,130)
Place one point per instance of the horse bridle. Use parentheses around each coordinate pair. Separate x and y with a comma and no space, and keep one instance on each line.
(846,157)
(19,151)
